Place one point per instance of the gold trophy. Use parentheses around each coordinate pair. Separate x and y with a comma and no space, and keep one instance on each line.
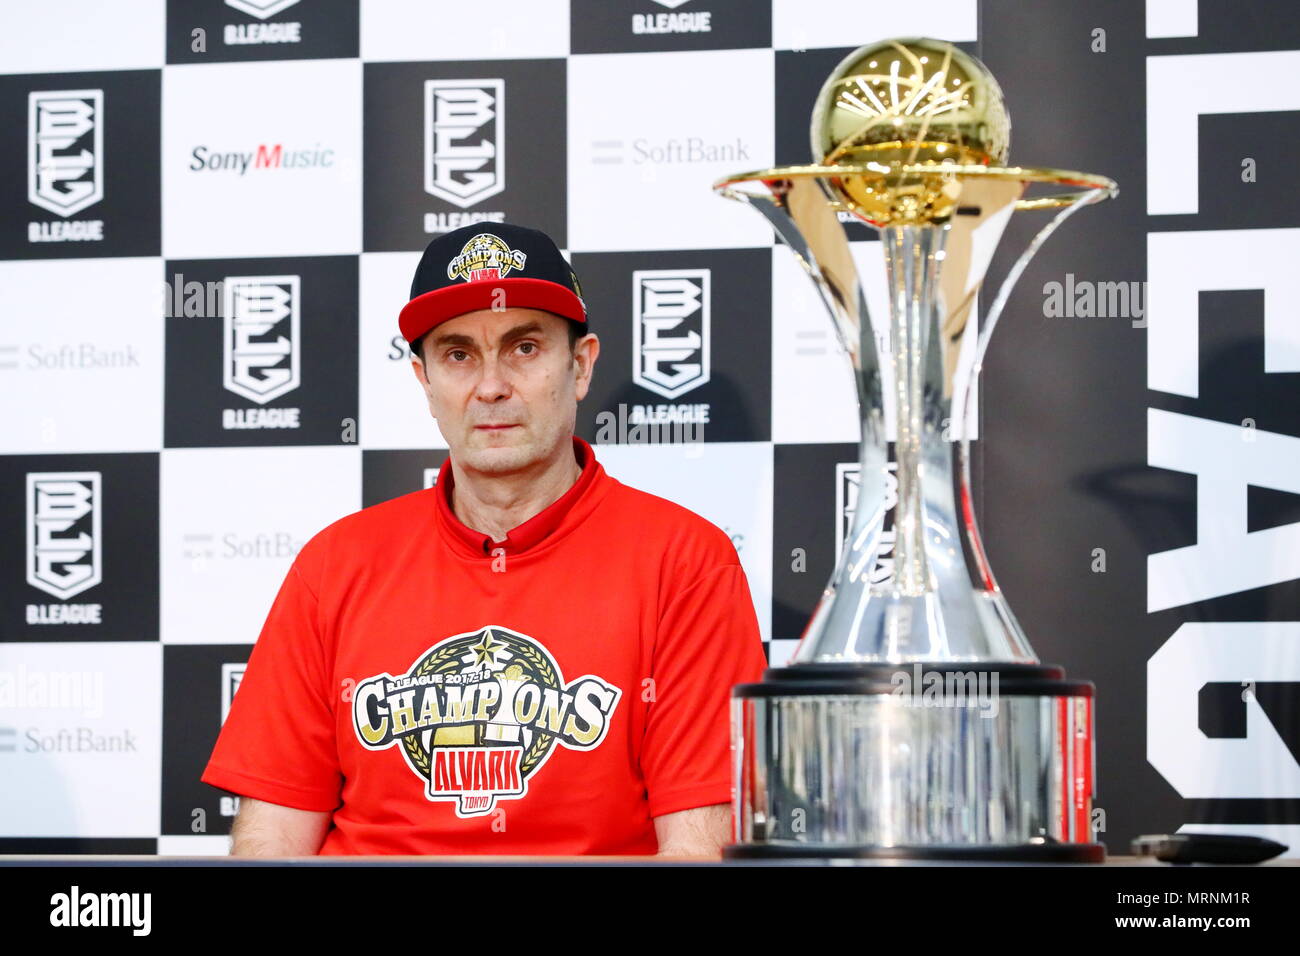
(914,720)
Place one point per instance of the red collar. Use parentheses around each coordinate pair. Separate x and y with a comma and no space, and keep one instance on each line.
(532,531)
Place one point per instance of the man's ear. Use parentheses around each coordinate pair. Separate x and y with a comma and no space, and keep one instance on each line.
(418,367)
(585,351)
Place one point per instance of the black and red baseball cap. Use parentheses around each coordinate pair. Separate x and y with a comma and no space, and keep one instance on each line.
(463,270)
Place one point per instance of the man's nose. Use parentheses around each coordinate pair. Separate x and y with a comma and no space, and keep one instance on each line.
(494,383)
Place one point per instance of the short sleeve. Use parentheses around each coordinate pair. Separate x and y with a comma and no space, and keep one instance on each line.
(708,642)
(277,743)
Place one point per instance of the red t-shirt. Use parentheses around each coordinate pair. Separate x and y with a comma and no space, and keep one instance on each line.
(550,694)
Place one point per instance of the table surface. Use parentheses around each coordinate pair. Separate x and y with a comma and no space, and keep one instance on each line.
(484,860)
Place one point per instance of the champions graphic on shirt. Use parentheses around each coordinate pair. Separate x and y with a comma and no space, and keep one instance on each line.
(478,713)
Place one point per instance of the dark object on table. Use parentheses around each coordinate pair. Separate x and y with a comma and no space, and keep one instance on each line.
(1206,848)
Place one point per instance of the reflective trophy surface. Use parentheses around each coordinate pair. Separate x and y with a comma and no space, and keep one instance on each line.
(914,719)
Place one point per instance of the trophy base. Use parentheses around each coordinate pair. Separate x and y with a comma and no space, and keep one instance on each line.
(925,760)
(1001,853)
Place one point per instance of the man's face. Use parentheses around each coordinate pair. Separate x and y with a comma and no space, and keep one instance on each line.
(504,386)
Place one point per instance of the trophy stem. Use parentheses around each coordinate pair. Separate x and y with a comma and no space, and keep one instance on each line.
(912,254)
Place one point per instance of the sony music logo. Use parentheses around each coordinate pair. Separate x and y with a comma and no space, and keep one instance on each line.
(65,162)
(264,157)
(64,531)
(261,347)
(464,148)
(245,33)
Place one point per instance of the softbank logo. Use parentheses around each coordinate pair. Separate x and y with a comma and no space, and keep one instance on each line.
(266,156)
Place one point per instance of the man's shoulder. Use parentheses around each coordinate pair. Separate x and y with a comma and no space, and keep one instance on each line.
(371,527)
(664,522)
(392,513)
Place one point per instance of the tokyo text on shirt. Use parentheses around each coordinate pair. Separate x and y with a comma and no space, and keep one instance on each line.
(443,693)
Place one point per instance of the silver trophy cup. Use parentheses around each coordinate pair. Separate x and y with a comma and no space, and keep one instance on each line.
(914,720)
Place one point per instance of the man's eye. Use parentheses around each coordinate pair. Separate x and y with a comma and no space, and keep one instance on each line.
(455,354)
(532,347)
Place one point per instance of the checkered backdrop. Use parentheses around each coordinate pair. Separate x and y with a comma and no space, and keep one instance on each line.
(212,211)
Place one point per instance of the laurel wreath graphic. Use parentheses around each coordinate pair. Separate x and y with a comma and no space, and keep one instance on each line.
(445,659)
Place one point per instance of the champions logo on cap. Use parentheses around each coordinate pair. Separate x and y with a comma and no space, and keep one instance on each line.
(485,257)
(470,270)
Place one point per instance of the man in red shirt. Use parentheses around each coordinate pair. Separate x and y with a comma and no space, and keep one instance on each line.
(529,657)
